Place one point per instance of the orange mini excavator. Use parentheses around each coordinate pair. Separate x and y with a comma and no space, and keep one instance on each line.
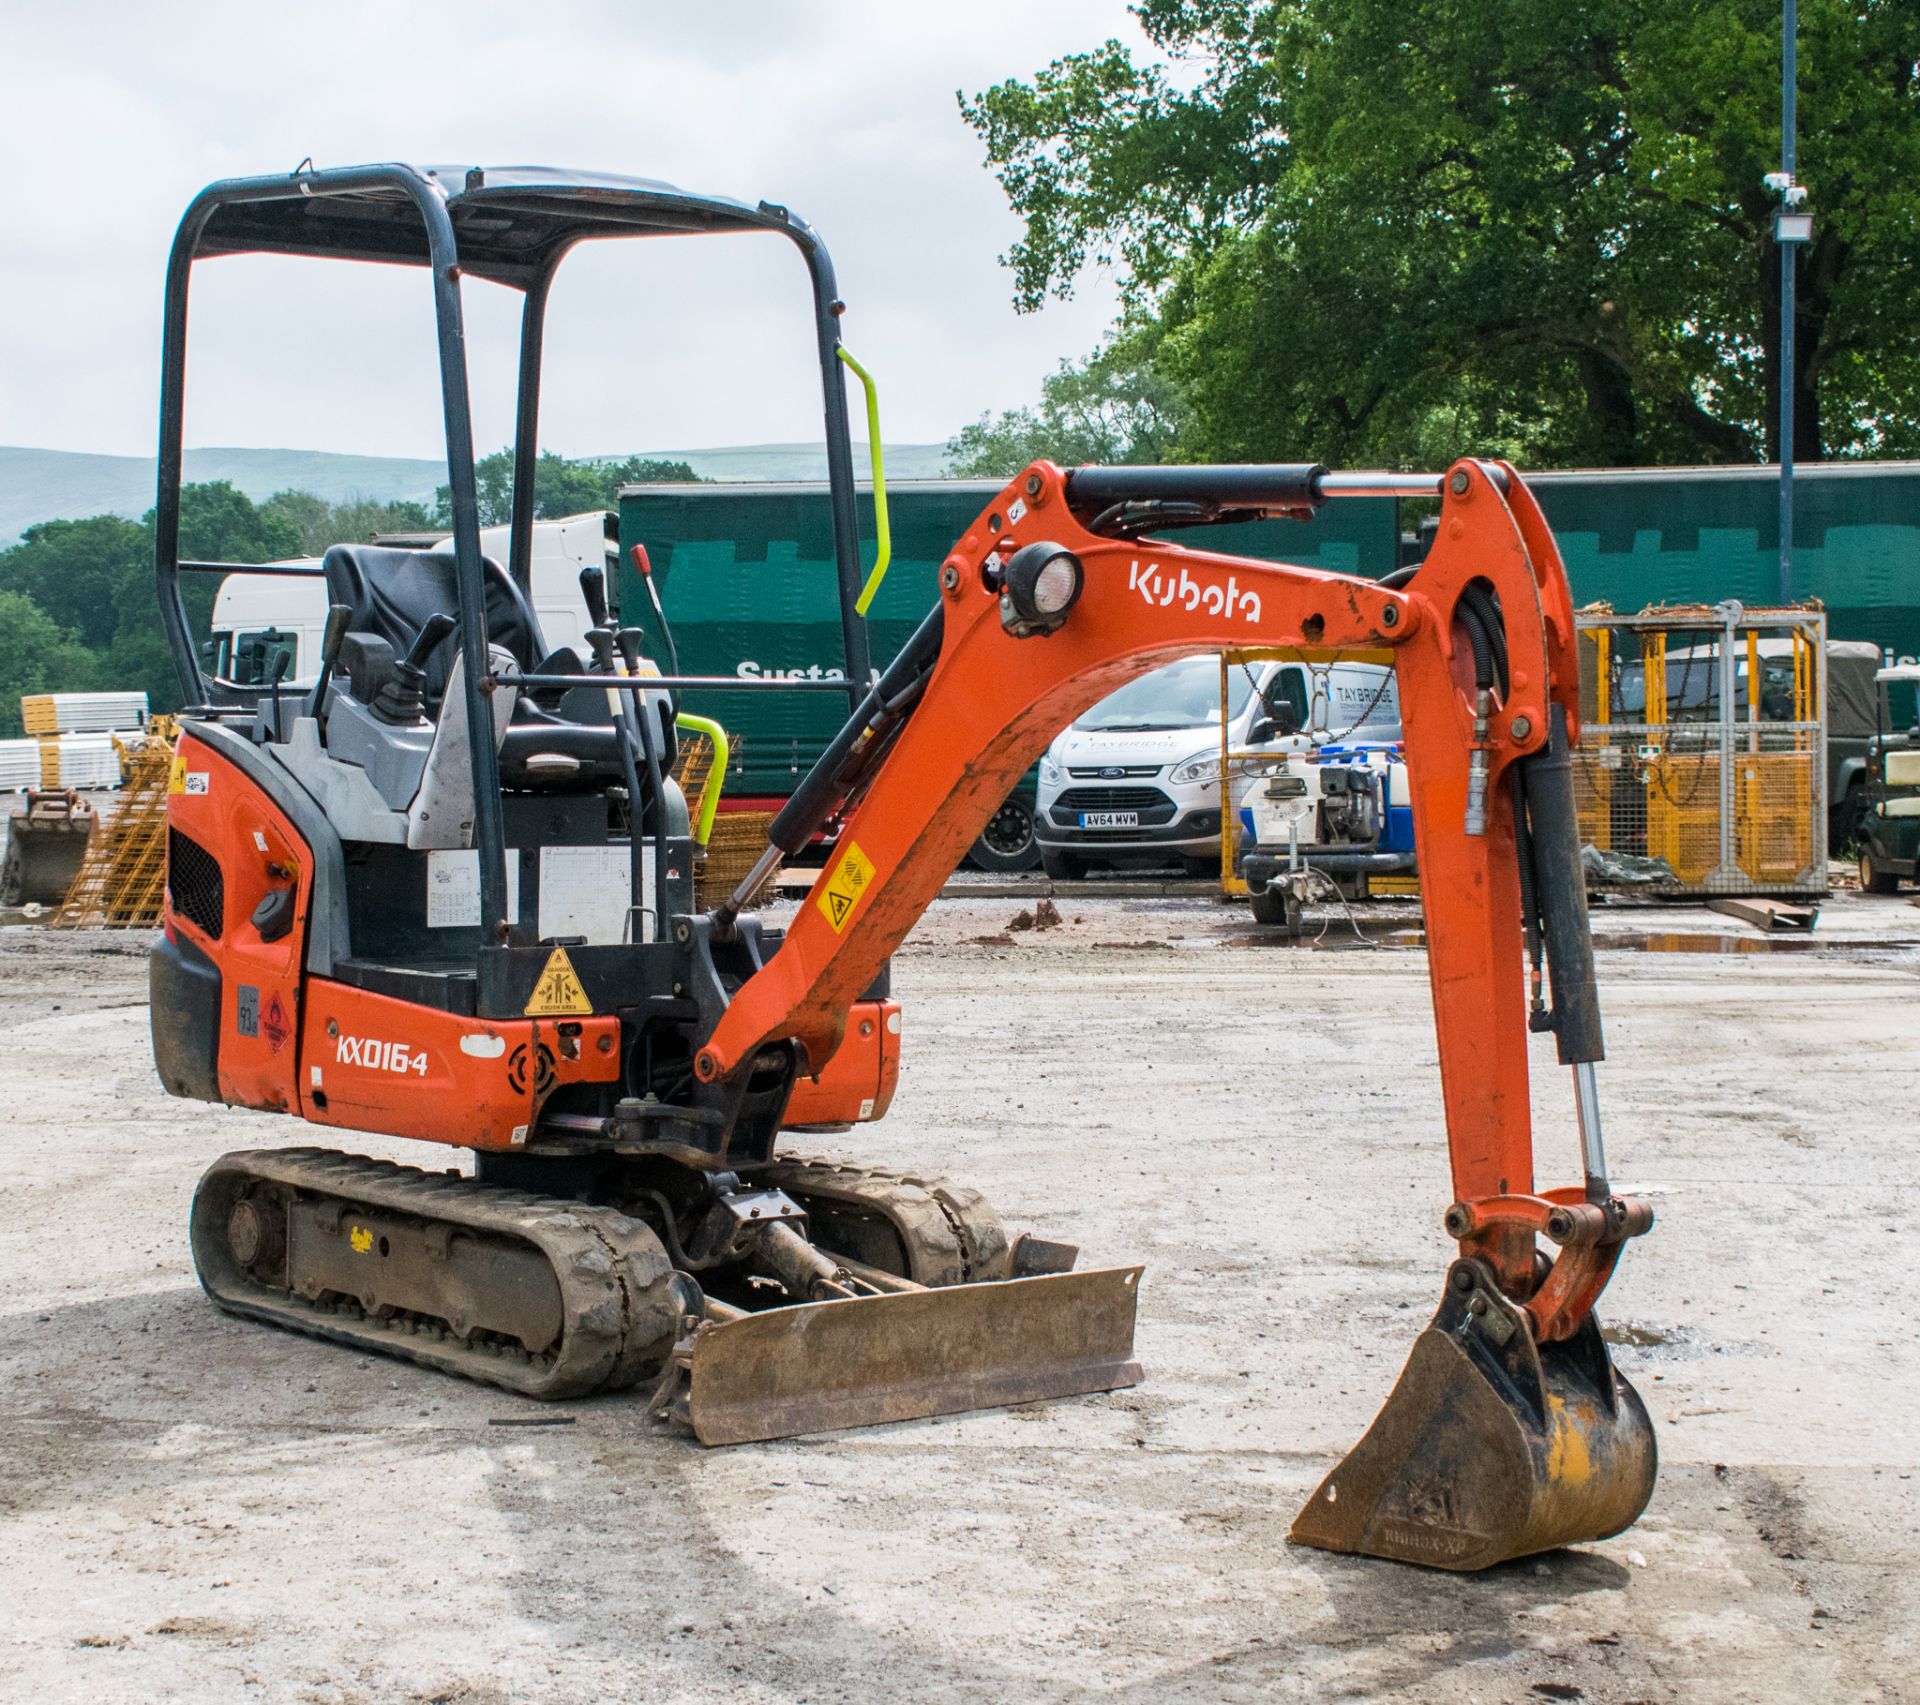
(443,891)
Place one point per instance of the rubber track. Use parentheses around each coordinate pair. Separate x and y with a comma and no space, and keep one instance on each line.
(951,1235)
(612,1272)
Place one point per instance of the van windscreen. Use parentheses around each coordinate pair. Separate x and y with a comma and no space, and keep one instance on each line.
(1182,695)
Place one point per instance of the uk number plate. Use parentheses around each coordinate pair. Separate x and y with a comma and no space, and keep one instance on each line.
(1109,819)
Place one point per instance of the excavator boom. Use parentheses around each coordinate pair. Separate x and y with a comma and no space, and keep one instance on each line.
(1511,1430)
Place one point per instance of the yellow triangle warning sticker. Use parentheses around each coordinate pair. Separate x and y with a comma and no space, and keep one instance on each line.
(558,994)
(850,879)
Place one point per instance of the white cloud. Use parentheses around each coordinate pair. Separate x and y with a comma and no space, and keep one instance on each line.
(842,109)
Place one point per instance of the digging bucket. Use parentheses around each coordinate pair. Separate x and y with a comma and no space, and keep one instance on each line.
(867,1360)
(1491,1445)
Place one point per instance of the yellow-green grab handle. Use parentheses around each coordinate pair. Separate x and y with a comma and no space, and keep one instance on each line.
(716,772)
(883,534)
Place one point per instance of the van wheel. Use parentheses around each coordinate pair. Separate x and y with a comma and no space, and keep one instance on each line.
(1202,865)
(1875,880)
(1006,844)
(1062,866)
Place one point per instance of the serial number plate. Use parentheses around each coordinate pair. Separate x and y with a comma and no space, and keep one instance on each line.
(1109,819)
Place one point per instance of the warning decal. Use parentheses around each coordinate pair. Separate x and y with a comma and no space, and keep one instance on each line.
(275,1026)
(558,994)
(845,886)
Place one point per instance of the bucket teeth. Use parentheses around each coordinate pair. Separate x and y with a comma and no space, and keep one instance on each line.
(1491,1445)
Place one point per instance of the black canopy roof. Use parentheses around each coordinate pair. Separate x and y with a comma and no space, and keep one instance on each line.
(509,221)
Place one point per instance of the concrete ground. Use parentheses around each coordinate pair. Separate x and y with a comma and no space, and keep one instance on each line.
(192,1507)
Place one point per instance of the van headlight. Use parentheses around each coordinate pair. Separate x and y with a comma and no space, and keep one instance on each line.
(1201,767)
(1205,766)
(1049,770)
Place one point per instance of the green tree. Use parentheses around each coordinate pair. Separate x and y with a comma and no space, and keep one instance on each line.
(354,521)
(1391,228)
(218,523)
(80,594)
(560,487)
(37,655)
(1112,407)
(71,569)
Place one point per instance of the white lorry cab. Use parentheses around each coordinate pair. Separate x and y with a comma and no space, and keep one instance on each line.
(1137,778)
(257,617)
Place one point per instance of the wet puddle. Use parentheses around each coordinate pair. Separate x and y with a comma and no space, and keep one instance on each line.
(1641,1337)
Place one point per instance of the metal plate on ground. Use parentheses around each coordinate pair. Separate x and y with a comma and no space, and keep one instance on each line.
(821,1366)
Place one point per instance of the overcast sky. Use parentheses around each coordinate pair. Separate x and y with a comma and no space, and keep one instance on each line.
(115,115)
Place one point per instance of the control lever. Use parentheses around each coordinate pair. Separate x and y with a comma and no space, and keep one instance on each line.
(593,588)
(399,699)
(434,629)
(330,641)
(637,718)
(643,565)
(282,661)
(634,744)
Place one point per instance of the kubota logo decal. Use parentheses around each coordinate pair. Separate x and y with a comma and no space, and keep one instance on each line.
(1161,589)
(378,1056)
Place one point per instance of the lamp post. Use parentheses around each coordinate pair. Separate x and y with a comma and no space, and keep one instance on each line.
(1792,226)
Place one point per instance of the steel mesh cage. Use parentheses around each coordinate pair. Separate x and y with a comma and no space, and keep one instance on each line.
(1701,767)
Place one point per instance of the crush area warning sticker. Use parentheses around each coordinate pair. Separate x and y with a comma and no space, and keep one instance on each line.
(848,882)
(558,994)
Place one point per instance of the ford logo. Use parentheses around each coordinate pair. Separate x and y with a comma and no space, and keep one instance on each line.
(1112,772)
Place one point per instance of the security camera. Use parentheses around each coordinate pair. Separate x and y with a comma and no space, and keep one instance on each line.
(1778,182)
(1794,194)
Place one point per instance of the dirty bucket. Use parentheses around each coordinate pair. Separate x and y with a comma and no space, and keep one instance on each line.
(1491,1445)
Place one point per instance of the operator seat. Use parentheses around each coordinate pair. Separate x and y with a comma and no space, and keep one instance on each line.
(393,592)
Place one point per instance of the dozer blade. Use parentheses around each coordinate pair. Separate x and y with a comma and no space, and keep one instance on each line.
(1491,1446)
(818,1366)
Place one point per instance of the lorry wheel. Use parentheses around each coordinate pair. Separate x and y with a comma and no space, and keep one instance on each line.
(1272,906)
(1875,880)
(1062,866)
(1006,844)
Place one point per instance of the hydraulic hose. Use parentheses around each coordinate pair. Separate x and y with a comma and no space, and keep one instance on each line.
(863,741)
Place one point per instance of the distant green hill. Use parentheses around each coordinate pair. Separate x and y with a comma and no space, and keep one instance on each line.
(47,485)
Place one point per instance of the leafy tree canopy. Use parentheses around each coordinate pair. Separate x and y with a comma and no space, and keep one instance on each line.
(560,487)
(77,600)
(37,655)
(355,521)
(1113,407)
(1399,229)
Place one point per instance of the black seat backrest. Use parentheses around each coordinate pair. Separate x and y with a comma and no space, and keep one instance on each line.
(392,593)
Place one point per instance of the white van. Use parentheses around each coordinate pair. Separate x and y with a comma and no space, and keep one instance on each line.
(1137,777)
(257,616)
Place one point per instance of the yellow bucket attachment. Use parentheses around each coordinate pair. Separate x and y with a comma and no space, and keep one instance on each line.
(1491,1446)
(862,1361)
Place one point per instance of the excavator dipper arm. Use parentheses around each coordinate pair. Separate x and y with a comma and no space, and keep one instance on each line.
(1482,641)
